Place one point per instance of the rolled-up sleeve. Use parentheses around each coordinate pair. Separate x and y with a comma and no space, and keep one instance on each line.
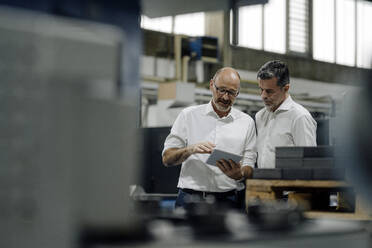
(177,137)
(250,154)
(304,131)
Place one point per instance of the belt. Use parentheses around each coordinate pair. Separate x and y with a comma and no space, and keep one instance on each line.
(204,194)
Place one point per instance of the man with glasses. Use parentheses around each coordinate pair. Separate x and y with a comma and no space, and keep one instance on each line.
(282,122)
(198,130)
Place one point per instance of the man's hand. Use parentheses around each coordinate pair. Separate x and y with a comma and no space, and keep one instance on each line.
(230,168)
(203,147)
(175,156)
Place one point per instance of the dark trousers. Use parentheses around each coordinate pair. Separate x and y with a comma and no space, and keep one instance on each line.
(232,199)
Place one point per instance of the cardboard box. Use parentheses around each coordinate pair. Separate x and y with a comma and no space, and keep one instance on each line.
(181,94)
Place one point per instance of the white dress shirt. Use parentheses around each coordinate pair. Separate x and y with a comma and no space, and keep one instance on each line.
(234,133)
(289,125)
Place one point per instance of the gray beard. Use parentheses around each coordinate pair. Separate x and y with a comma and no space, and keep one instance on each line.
(219,108)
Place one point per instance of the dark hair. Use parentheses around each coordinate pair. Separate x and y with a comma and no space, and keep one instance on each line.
(275,68)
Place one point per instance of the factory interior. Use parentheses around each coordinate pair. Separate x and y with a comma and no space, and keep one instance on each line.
(91,90)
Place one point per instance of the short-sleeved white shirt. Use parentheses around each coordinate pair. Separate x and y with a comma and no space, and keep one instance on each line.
(233,133)
(289,125)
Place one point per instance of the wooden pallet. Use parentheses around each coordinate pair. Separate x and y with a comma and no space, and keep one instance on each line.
(313,195)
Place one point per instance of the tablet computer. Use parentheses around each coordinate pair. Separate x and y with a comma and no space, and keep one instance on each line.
(219,154)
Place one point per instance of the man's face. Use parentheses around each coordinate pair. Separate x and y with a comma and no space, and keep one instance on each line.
(225,89)
(272,94)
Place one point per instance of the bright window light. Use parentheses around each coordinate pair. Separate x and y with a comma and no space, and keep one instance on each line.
(345,39)
(364,53)
(298,26)
(231,27)
(274,26)
(323,30)
(250,26)
(190,24)
(162,24)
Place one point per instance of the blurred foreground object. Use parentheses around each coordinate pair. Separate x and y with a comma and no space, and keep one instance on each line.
(66,159)
(275,216)
(354,140)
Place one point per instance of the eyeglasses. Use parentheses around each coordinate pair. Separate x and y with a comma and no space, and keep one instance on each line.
(224,91)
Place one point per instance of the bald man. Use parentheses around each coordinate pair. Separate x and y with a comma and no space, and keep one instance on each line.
(200,129)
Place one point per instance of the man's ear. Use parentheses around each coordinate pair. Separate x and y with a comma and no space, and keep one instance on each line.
(211,84)
(286,88)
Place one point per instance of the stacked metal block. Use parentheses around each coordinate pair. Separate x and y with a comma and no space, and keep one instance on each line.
(305,163)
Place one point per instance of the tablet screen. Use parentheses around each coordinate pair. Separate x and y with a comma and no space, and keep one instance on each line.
(219,154)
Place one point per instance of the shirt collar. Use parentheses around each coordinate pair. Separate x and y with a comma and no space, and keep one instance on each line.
(286,105)
(209,110)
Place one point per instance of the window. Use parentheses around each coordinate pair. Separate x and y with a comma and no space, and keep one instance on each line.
(274,26)
(298,26)
(250,26)
(323,30)
(162,24)
(188,24)
(263,26)
(345,32)
(341,32)
(364,34)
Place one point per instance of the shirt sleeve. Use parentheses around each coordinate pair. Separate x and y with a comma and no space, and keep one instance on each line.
(250,154)
(304,131)
(177,137)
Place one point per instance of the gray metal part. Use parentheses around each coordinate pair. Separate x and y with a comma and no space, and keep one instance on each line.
(267,173)
(304,152)
(328,173)
(289,152)
(288,163)
(293,174)
(318,162)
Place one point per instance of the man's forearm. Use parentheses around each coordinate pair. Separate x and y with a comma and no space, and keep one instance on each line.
(175,156)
